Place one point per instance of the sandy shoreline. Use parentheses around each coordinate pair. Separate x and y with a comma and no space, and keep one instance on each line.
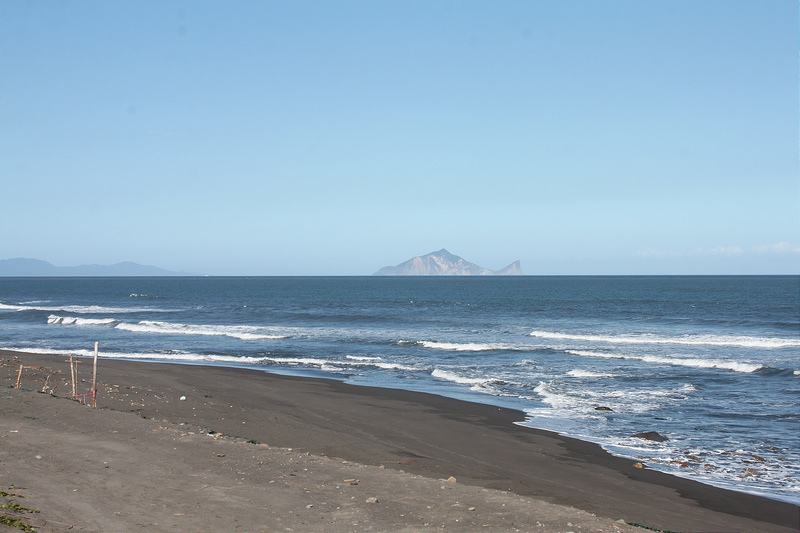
(162,470)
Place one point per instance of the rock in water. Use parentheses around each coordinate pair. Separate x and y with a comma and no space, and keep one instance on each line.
(651,435)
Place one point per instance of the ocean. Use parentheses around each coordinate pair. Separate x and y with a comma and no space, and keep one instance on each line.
(712,363)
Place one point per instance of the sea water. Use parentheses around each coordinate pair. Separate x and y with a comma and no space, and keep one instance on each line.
(711,363)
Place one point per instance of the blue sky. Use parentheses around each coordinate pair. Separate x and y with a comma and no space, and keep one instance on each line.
(335,138)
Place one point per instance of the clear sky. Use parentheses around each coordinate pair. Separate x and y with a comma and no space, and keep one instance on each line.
(338,137)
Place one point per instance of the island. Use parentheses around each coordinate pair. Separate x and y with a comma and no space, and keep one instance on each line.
(443,263)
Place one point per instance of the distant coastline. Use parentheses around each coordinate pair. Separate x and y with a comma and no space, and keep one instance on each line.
(23,267)
(427,265)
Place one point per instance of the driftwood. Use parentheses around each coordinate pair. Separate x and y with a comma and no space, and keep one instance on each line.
(45,387)
(21,368)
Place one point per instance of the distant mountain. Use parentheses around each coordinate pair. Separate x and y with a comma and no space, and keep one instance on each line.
(443,263)
(37,268)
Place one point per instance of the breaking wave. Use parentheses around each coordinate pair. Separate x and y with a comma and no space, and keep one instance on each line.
(247,333)
(77,321)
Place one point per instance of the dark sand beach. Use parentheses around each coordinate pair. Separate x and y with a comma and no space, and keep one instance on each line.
(200,448)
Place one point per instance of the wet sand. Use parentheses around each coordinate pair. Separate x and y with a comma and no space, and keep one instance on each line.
(251,451)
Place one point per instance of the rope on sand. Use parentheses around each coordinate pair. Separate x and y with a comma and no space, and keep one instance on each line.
(79,397)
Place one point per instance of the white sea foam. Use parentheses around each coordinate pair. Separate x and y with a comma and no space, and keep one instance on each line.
(393,366)
(691,340)
(362,358)
(362,361)
(330,365)
(447,375)
(644,397)
(377,364)
(295,361)
(463,346)
(726,468)
(580,373)
(735,366)
(552,396)
(566,403)
(238,332)
(756,471)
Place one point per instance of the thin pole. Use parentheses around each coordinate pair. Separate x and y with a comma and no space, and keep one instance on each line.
(75,364)
(72,375)
(94,378)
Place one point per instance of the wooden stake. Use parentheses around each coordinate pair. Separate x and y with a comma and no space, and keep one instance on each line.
(21,368)
(94,378)
(72,371)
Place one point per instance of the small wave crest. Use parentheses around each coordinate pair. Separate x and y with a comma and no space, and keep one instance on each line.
(12,307)
(735,366)
(456,378)
(362,361)
(350,363)
(79,309)
(459,346)
(484,385)
(690,340)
